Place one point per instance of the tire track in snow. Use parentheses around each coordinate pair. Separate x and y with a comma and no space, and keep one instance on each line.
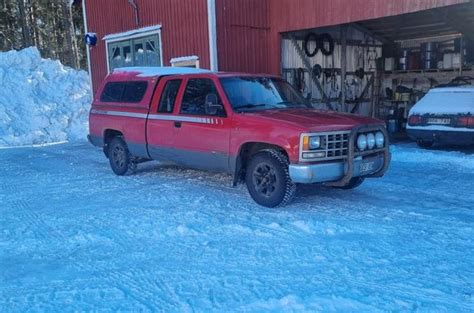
(134,283)
(32,220)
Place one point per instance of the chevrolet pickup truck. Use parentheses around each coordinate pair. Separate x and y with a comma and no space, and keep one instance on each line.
(258,128)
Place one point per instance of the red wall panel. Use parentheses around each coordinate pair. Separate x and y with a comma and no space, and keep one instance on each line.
(243,29)
(184,28)
(288,15)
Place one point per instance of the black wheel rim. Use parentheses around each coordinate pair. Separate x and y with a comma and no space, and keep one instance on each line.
(119,156)
(264,179)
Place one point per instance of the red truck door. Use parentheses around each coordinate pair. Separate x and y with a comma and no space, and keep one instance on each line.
(202,126)
(161,118)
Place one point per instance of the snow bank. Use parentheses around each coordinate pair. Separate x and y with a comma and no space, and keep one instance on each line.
(41,101)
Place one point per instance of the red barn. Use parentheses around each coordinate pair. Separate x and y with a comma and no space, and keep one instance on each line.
(269,36)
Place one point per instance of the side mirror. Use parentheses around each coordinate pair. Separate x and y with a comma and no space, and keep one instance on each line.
(212,105)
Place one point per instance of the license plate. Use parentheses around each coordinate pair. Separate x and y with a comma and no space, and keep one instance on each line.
(439,121)
(367,167)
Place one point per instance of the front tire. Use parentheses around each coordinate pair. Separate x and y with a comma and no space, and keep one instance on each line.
(119,156)
(268,179)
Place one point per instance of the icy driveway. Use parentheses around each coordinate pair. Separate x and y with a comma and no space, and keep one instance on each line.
(75,237)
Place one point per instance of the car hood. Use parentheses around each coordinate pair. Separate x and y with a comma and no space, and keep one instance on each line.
(316,120)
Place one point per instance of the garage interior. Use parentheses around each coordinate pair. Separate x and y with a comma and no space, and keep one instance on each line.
(386,64)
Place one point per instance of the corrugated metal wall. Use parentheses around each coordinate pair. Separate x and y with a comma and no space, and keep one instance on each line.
(357,57)
(242,35)
(184,28)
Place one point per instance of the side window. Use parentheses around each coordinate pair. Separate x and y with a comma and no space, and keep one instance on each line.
(168,97)
(134,92)
(197,91)
(127,92)
(140,51)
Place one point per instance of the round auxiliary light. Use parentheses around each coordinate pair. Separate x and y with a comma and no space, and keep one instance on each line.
(370,140)
(362,142)
(379,139)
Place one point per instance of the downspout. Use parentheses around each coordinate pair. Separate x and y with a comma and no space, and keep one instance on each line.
(86,30)
(135,8)
(211,22)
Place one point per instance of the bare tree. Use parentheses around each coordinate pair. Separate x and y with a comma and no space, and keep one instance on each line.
(26,31)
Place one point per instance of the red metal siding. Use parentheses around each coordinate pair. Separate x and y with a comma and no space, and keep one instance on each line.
(184,28)
(288,15)
(243,29)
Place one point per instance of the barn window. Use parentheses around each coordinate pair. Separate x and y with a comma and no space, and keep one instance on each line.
(140,47)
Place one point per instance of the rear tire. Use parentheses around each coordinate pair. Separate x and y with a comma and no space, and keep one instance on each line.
(424,144)
(119,156)
(268,179)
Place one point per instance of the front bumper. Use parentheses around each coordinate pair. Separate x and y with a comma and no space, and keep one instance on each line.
(340,172)
(335,171)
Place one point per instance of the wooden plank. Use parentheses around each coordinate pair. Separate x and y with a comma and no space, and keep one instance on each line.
(343,30)
(362,95)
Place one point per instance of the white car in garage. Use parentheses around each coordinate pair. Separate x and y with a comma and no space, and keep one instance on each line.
(443,115)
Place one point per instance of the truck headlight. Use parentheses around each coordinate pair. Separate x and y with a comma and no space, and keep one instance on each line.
(311,143)
(370,140)
(379,139)
(314,142)
(362,142)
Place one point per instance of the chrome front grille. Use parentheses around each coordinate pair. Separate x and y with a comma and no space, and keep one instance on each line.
(334,146)
(337,145)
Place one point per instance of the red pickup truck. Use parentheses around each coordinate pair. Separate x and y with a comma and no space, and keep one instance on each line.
(258,128)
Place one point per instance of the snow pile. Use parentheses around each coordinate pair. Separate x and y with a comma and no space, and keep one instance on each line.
(41,101)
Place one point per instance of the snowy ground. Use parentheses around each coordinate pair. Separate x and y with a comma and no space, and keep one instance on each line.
(75,237)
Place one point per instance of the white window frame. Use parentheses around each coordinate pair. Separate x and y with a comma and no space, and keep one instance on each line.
(129,36)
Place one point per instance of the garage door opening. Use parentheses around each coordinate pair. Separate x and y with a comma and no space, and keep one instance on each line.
(382,67)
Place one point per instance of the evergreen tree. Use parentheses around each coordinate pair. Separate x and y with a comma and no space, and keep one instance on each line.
(55,27)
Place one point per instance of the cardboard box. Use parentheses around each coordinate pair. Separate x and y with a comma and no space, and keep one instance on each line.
(451,60)
(389,64)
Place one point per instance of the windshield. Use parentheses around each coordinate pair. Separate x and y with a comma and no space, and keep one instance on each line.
(261,93)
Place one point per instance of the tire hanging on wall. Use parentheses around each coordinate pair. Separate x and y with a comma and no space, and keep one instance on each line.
(308,38)
(326,38)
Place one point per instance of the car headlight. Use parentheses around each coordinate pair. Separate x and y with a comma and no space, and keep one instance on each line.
(379,139)
(362,142)
(314,142)
(370,140)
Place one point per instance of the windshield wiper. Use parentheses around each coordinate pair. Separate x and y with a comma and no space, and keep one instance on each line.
(294,105)
(250,106)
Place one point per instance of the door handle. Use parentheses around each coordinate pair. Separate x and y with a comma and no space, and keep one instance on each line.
(177,124)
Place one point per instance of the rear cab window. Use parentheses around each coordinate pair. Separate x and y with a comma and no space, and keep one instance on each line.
(124,92)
